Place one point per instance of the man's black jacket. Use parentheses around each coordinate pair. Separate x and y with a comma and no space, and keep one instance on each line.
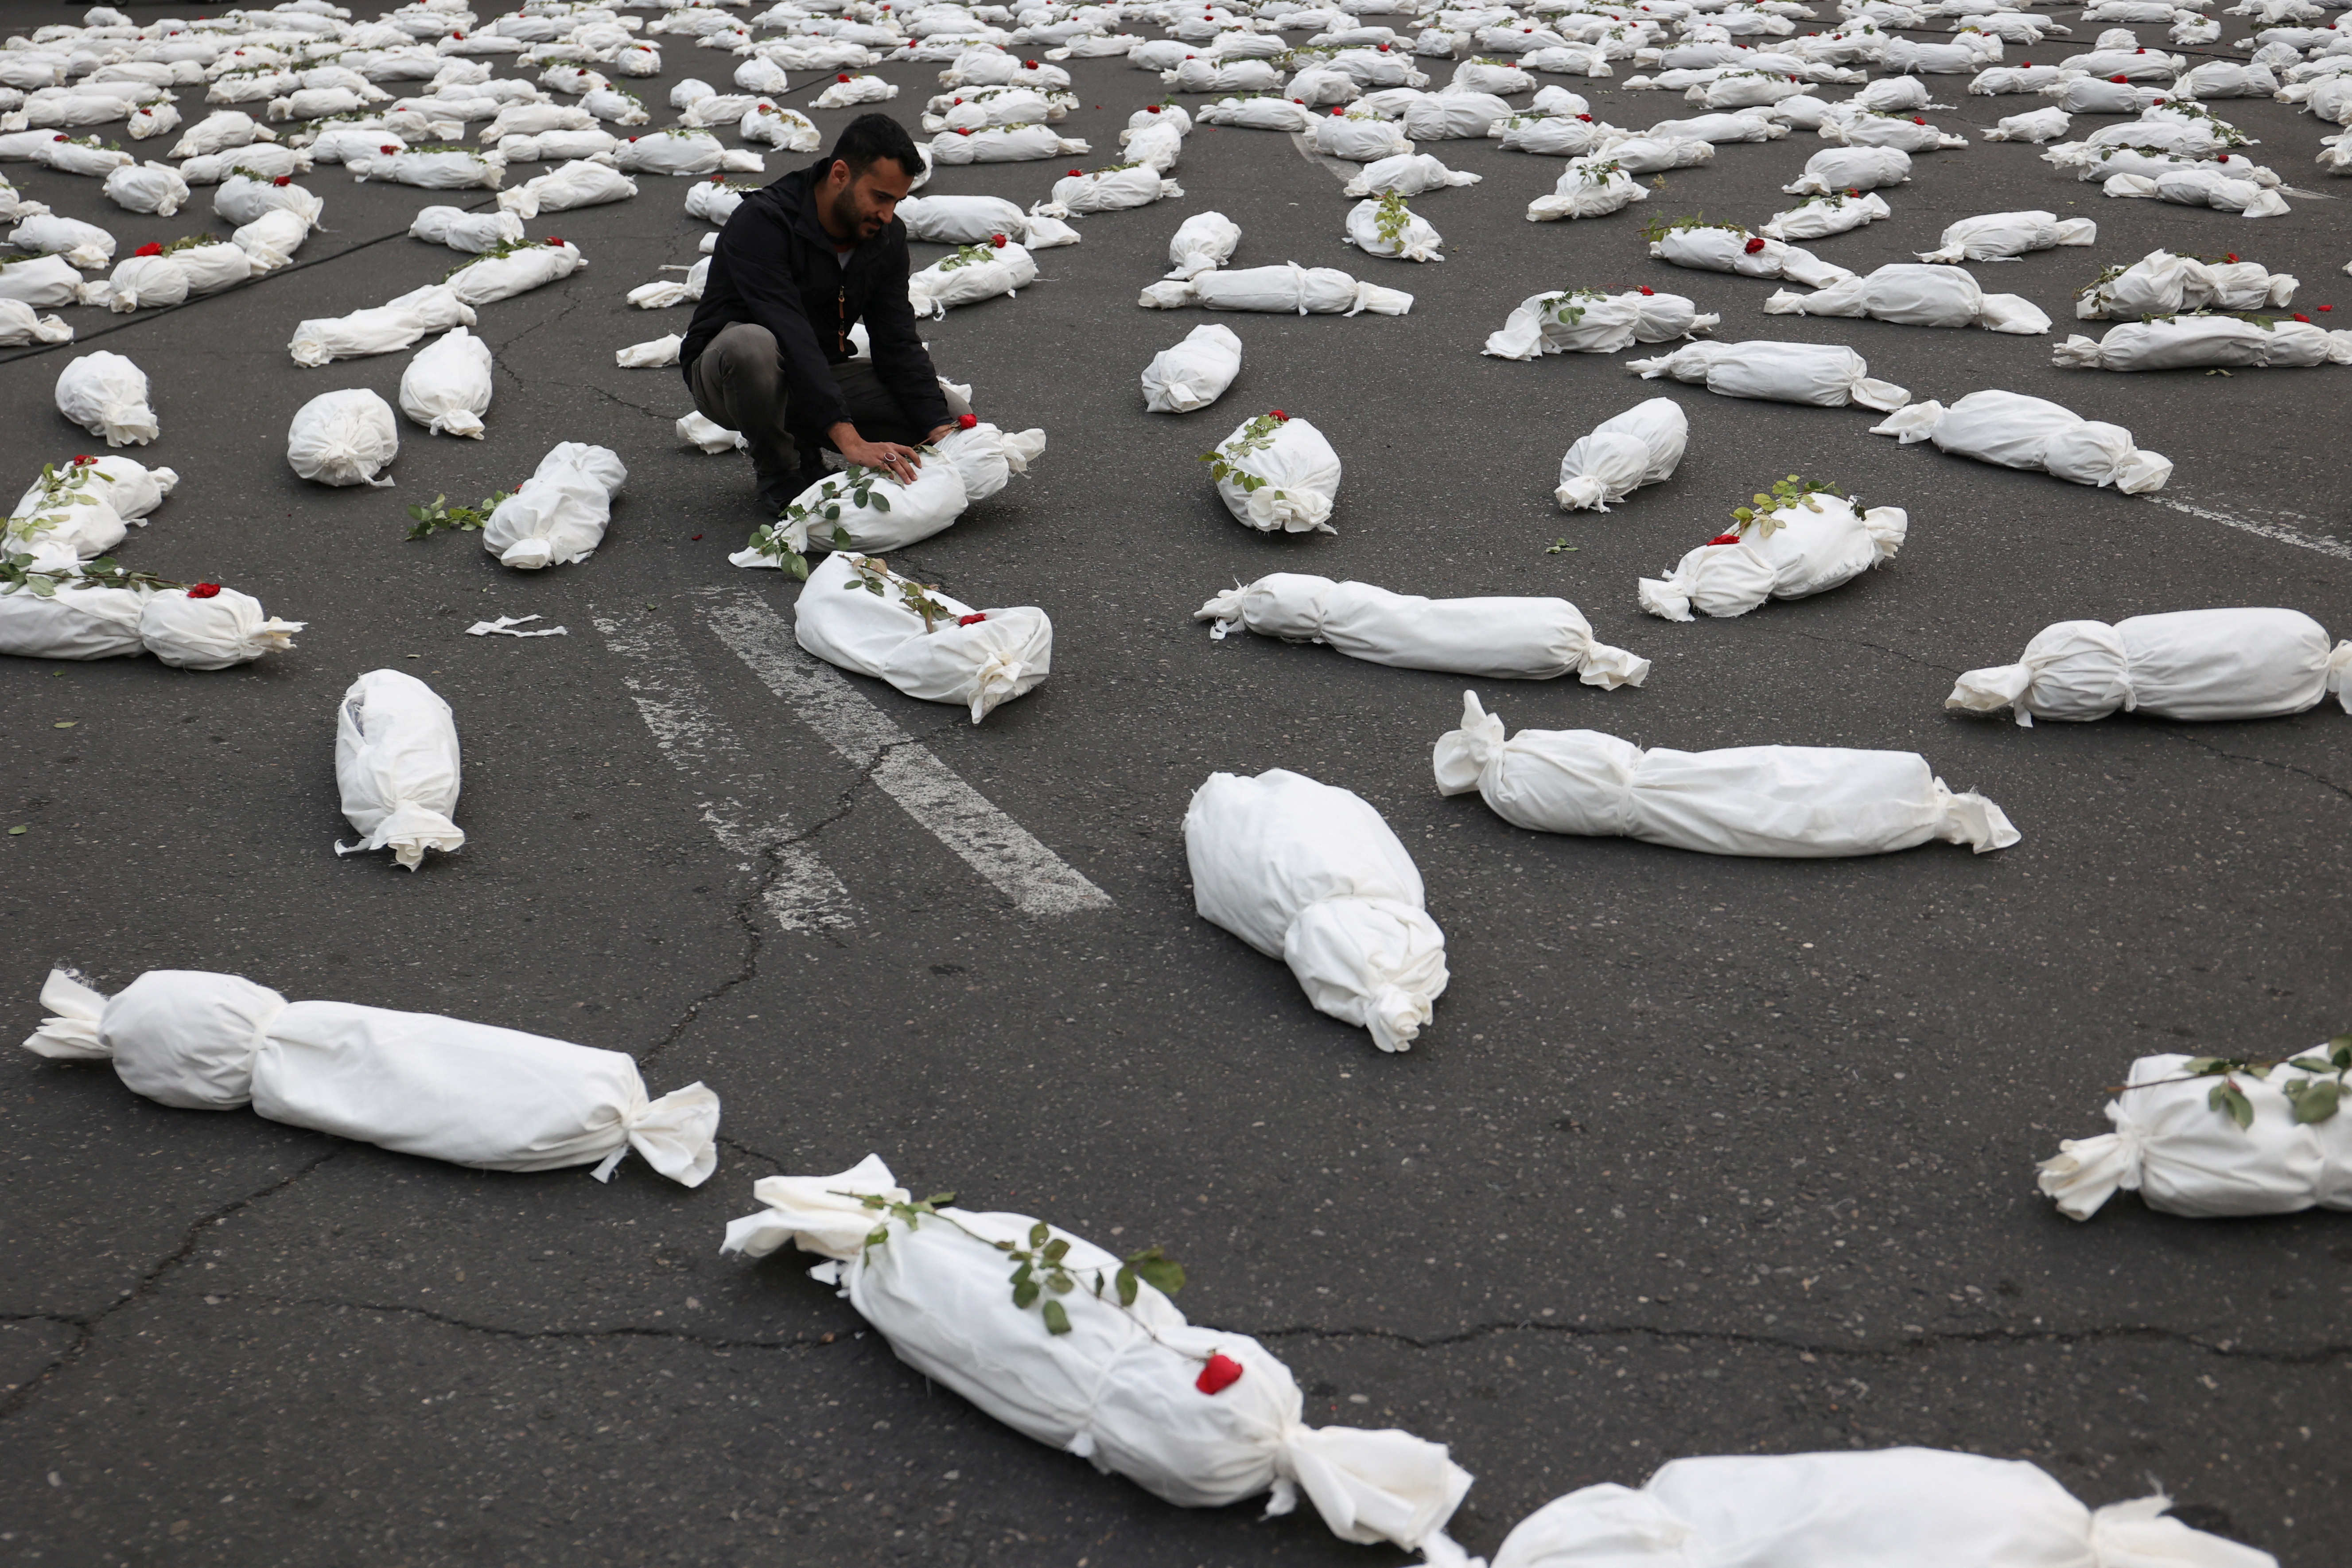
(776,266)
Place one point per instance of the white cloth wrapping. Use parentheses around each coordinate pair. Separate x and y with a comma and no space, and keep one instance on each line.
(672,152)
(240,199)
(1202,242)
(1311,874)
(575,184)
(343,439)
(2190,341)
(2038,127)
(85,245)
(1913,294)
(1551,135)
(1451,116)
(1590,321)
(1406,175)
(1903,133)
(271,240)
(415,1083)
(1418,241)
(1503,638)
(650,355)
(1320,291)
(2019,432)
(1259,114)
(74,623)
(396,765)
(1819,219)
(1851,169)
(218,131)
(48,280)
(2196,665)
(2183,1155)
(1299,475)
(965,465)
(1194,373)
(976,220)
(1592,187)
(999,656)
(446,387)
(1123,1388)
(383,329)
(468,231)
(2196,186)
(1623,452)
(1784,802)
(1004,144)
(1823,543)
(215,632)
(560,514)
(1825,376)
(2163,284)
(1106,191)
(495,277)
(21,325)
(1921,1507)
(2005,236)
(106,394)
(269,162)
(963,280)
(1360,141)
(1718,249)
(148,187)
(431,171)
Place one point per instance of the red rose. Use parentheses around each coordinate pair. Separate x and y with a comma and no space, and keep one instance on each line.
(387,147)
(1647,290)
(962,131)
(715,179)
(61,136)
(1585,117)
(2301,317)
(84,460)
(2327,307)
(2232,256)
(1854,195)
(1074,173)
(1724,538)
(150,248)
(2162,101)
(554,241)
(997,240)
(1384,49)
(1150,109)
(972,620)
(1917,120)
(844,77)
(958,101)
(1279,416)
(2029,65)
(1222,1373)
(283,180)
(2139,51)
(1297,100)
(203,591)
(967,421)
(1755,244)
(2119,77)
(1337,113)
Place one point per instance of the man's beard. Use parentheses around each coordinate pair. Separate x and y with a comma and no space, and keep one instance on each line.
(845,213)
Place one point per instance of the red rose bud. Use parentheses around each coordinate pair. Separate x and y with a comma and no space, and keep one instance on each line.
(387,148)
(1028,65)
(1337,113)
(967,421)
(973,619)
(150,248)
(997,240)
(1724,538)
(1647,290)
(2139,51)
(1585,117)
(84,460)
(1222,1373)
(1279,414)
(1074,173)
(1150,109)
(2119,78)
(2301,317)
(2327,307)
(2232,256)
(61,136)
(554,241)
(283,180)
(962,131)
(844,77)
(1917,120)
(1755,244)
(203,591)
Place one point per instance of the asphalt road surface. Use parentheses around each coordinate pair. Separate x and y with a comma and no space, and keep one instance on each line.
(1701,1156)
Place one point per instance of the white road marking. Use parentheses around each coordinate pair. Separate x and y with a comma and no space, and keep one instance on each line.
(2277,530)
(1037,881)
(804,895)
(1304,141)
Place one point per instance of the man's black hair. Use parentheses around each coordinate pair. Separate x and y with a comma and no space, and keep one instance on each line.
(870,137)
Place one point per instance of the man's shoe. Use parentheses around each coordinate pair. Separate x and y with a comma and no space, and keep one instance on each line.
(775,493)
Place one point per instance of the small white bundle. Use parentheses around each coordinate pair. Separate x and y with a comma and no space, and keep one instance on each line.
(682,153)
(1625,451)
(560,514)
(1277,474)
(1728,248)
(220,130)
(2198,186)
(1311,874)
(1451,116)
(1358,137)
(1503,638)
(1747,125)
(975,220)
(2192,665)
(2005,236)
(1004,144)
(396,765)
(1202,242)
(786,129)
(1903,132)
(2038,127)
(557,146)
(1406,175)
(1648,154)
(240,199)
(446,387)
(20,325)
(415,1083)
(85,245)
(2019,432)
(1912,294)
(147,281)
(857,613)
(1826,375)
(455,171)
(1194,373)
(382,330)
(1195,1416)
(1791,550)
(651,355)
(490,278)
(468,231)
(1106,191)
(1386,226)
(1551,135)
(1320,290)
(975,272)
(1850,169)
(662,294)
(1818,218)
(2163,284)
(1925,1508)
(2196,340)
(1260,113)
(1593,320)
(1592,187)
(106,394)
(148,187)
(581,184)
(1158,147)
(1784,802)
(271,240)
(343,439)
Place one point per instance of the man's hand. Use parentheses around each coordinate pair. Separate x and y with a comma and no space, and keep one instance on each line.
(886,457)
(934,438)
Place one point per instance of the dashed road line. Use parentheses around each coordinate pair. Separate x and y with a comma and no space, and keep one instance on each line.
(2278,531)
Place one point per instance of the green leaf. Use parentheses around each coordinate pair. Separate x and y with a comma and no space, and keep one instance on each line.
(1040,1233)
(1125,1281)
(937,1199)
(841,538)
(2227,1097)
(2199,1067)
(2311,1064)
(1059,1282)
(879,503)
(1162,1273)
(2318,1100)
(870,1201)
(1057,1321)
(878,1235)
(1025,1293)
(1055,1249)
(798,566)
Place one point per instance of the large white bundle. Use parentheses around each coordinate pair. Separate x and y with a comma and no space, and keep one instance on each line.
(1727,248)
(2200,187)
(106,394)
(343,439)
(493,278)
(1593,187)
(208,627)
(677,153)
(1004,144)
(527,119)
(975,272)
(1386,226)
(220,130)
(47,280)
(2197,665)
(2192,341)
(2037,127)
(1551,135)
(20,325)
(1914,295)
(1321,290)
(79,157)
(1906,133)
(557,147)
(148,187)
(1194,373)
(469,231)
(581,184)
(994,106)
(1115,189)
(240,199)
(878,513)
(1158,147)
(414,1083)
(1820,542)
(854,612)
(1747,125)
(83,244)
(1195,1416)
(446,387)
(271,240)
(2019,432)
(121,486)
(978,220)
(1651,154)
(2005,236)
(560,514)
(786,129)
(385,328)
(1259,114)
(2178,1143)
(2163,284)
(1625,451)
(1593,320)
(1506,639)
(1851,169)
(1277,474)
(1921,1507)
(1453,116)
(396,765)
(1818,218)
(1826,375)
(1791,802)
(1311,874)
(1359,140)
(1202,242)
(1197,74)
(2087,162)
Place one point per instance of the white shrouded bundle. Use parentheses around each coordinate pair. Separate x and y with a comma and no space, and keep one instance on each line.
(974,659)
(2184,1154)
(2163,284)
(1913,294)
(382,330)
(446,387)
(1194,373)
(343,439)
(1157,147)
(85,245)
(83,510)
(218,131)
(1851,169)
(1818,218)
(1259,114)
(1594,322)
(415,1083)
(1198,1417)
(1651,154)
(2005,236)
(2019,432)
(786,129)
(264,162)
(683,152)
(576,185)
(48,280)
(1720,248)
(147,282)
(1386,226)
(664,293)
(560,514)
(1826,375)
(21,325)
(1903,133)
(1923,1507)
(1551,135)
(208,627)
(2201,340)
(396,765)
(967,465)
(2195,186)
(1004,144)
(462,230)
(2195,665)
(715,201)
(1451,116)
(148,187)
(1503,638)
(271,240)
(1822,543)
(1590,187)
(1321,290)
(1202,242)
(1277,474)
(1782,802)
(106,394)
(1106,191)
(975,272)
(1406,175)
(557,147)
(653,356)
(1360,138)
(457,171)
(491,277)
(1625,451)
(976,220)
(1311,874)
(240,199)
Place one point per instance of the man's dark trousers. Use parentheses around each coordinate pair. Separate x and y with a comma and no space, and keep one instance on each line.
(739,383)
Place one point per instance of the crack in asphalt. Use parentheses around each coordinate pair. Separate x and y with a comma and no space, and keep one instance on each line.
(1860,642)
(616,397)
(628,1331)
(1911,1342)
(90,1325)
(572,304)
(2322,780)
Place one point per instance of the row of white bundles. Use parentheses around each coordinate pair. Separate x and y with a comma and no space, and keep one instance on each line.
(1595,321)
(2163,284)
(1311,874)
(1508,638)
(1785,802)
(1625,451)
(1922,1507)
(1910,294)
(106,394)
(2195,339)
(1276,474)
(396,765)
(854,612)
(1194,373)
(1791,549)
(2019,432)
(560,514)
(1318,290)
(1825,376)
(864,508)
(1093,1358)
(2190,664)
(415,1083)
